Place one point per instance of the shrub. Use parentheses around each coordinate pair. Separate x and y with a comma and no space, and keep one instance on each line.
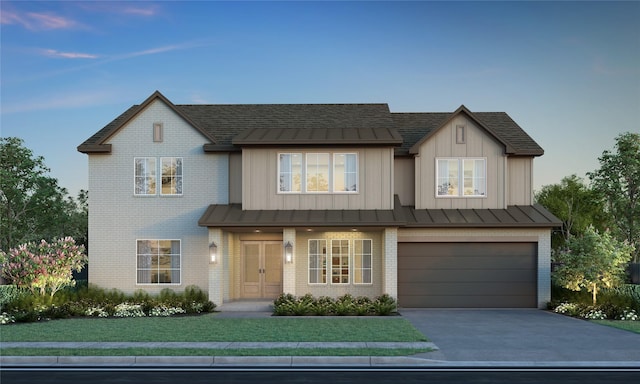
(346,305)
(128,310)
(384,305)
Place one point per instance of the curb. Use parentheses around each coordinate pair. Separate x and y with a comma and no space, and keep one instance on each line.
(295,362)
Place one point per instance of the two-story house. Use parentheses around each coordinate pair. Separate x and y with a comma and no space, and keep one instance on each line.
(250,201)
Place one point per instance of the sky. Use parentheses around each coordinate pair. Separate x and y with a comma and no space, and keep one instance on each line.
(567,72)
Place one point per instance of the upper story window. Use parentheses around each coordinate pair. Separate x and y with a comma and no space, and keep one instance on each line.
(171,175)
(145,175)
(322,172)
(146,180)
(461,177)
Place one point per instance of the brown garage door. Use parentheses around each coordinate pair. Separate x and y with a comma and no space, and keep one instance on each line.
(467,275)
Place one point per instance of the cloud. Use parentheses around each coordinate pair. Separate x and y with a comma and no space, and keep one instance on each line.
(61,101)
(35,21)
(68,55)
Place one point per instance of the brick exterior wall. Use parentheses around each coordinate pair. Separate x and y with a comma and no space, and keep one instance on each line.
(117,218)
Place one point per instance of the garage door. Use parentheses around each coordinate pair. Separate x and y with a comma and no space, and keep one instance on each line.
(467,275)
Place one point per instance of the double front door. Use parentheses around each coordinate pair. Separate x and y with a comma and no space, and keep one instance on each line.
(261,269)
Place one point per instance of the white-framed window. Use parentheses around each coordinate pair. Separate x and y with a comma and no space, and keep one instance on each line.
(461,177)
(362,261)
(317,261)
(345,172)
(171,168)
(158,261)
(318,172)
(145,176)
(290,172)
(340,267)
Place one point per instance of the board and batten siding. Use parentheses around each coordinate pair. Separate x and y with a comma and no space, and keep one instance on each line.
(117,218)
(235,178)
(260,181)
(520,180)
(404,179)
(479,144)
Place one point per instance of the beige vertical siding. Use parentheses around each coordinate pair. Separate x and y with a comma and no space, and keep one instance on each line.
(520,180)
(404,179)
(260,182)
(235,178)
(443,144)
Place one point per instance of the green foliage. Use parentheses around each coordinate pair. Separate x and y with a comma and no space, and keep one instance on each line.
(94,301)
(576,205)
(32,205)
(592,261)
(618,181)
(8,293)
(43,267)
(346,305)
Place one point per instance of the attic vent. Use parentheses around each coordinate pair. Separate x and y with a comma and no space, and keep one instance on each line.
(157,132)
(461,136)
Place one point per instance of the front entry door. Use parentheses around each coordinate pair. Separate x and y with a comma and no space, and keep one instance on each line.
(261,269)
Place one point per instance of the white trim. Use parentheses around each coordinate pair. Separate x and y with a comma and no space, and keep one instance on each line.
(362,269)
(326,262)
(135,176)
(460,161)
(333,175)
(158,283)
(340,266)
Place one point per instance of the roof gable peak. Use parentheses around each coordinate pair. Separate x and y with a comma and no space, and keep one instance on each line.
(462,109)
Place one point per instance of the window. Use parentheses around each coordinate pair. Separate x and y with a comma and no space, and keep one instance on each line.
(362,258)
(461,177)
(317,172)
(321,172)
(158,261)
(171,175)
(317,261)
(290,172)
(146,179)
(345,172)
(145,176)
(340,261)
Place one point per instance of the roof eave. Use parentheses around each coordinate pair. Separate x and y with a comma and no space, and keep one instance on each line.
(94,148)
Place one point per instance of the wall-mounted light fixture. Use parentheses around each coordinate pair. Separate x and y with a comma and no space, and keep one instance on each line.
(213,252)
(288,253)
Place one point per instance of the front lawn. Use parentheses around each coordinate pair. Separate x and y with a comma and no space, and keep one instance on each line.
(633,326)
(210,328)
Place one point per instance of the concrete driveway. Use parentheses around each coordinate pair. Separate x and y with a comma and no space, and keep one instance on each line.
(526,335)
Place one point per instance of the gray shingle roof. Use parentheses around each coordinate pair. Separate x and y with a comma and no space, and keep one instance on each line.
(228,127)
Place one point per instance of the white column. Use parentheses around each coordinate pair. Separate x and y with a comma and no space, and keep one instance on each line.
(390,263)
(544,268)
(289,269)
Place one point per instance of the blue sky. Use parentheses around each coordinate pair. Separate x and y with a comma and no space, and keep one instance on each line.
(567,72)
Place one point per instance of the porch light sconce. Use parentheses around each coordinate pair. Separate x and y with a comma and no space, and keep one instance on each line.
(213,252)
(288,253)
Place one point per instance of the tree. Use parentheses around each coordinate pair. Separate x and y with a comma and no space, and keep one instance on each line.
(618,180)
(592,261)
(577,205)
(32,204)
(43,267)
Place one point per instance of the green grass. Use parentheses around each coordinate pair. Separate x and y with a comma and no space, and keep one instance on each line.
(214,352)
(210,328)
(633,326)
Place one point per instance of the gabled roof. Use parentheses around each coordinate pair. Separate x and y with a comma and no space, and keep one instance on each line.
(231,126)
(416,128)
(96,143)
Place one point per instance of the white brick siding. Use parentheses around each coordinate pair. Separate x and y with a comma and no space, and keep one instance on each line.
(117,218)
